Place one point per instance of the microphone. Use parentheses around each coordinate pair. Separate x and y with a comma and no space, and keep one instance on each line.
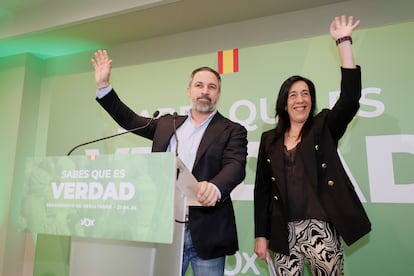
(154,115)
(175,115)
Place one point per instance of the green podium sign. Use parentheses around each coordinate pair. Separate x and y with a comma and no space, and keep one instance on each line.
(122,197)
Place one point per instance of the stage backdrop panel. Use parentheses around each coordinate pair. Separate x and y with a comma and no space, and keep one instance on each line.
(377,149)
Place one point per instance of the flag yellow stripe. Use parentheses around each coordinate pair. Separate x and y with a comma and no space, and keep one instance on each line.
(228,62)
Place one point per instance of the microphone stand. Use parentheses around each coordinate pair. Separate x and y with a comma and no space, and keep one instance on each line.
(156,113)
(175,115)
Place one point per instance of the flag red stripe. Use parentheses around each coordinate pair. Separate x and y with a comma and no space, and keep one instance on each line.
(236,60)
(220,62)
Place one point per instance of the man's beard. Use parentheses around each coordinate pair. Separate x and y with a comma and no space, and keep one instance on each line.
(203,107)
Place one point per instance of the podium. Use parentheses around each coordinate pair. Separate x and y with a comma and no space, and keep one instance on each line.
(120,210)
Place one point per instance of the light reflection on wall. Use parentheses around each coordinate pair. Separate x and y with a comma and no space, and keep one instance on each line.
(44,47)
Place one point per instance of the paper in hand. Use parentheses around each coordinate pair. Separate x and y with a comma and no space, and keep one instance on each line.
(187,184)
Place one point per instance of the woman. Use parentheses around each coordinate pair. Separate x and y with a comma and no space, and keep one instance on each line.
(303,199)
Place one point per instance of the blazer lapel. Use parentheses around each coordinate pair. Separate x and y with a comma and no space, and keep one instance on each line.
(308,157)
(277,161)
(215,127)
(161,142)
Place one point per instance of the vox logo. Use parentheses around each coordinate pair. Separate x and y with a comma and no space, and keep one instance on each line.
(87,222)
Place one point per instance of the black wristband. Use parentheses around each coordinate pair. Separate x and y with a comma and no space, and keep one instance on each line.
(342,39)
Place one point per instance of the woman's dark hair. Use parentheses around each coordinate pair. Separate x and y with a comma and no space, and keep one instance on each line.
(281,103)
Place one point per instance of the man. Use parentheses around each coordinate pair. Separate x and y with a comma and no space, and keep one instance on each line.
(210,145)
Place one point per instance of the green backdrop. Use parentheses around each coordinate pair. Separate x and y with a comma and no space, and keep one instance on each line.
(378,148)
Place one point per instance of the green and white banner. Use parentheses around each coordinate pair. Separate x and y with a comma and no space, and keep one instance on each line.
(124,197)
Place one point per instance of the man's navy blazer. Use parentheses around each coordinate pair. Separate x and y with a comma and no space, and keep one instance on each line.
(220,159)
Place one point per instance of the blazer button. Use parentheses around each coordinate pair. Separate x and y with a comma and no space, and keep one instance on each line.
(268,160)
(273,179)
(316,147)
(331,183)
(323,165)
(275,197)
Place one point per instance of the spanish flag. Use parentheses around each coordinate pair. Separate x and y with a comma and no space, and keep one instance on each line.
(228,61)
